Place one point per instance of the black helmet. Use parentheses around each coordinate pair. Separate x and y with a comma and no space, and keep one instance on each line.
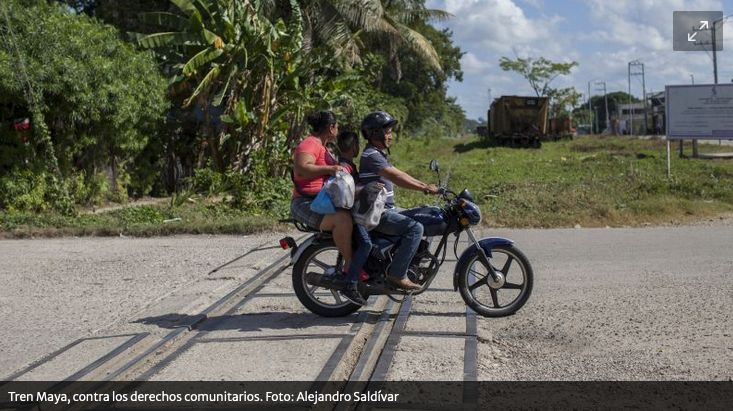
(372,127)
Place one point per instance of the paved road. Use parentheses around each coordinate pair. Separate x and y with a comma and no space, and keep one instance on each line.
(608,304)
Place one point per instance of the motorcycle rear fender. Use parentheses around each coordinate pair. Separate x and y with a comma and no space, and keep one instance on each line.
(299,249)
(487,244)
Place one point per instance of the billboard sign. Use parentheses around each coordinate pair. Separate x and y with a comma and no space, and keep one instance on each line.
(701,111)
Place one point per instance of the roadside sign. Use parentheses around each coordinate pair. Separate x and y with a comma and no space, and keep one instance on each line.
(699,112)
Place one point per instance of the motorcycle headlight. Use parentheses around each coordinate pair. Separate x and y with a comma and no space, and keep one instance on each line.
(466,195)
(471,211)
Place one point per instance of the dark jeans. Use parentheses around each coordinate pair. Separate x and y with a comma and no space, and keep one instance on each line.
(363,247)
(396,224)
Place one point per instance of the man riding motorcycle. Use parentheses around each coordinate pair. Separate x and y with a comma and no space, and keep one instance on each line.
(375,166)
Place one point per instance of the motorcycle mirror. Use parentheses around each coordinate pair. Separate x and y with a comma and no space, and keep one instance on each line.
(434,166)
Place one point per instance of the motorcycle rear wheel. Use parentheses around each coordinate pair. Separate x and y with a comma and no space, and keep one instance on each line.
(320,258)
(488,301)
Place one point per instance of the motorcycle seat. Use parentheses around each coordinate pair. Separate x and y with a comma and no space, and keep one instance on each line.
(302,227)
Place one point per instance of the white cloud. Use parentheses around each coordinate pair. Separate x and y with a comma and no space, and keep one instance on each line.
(489,29)
(646,23)
(470,64)
(495,25)
(602,35)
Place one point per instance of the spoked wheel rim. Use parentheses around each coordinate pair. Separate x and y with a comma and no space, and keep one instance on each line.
(323,262)
(495,297)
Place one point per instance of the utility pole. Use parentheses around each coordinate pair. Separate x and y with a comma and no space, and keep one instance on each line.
(714,43)
(605,101)
(643,93)
(614,127)
(637,63)
(589,109)
(631,117)
(715,56)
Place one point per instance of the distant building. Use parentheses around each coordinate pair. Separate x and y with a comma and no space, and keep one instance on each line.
(657,104)
(635,112)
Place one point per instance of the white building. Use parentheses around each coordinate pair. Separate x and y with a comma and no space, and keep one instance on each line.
(634,112)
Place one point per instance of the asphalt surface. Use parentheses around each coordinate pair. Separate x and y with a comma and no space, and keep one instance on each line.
(608,304)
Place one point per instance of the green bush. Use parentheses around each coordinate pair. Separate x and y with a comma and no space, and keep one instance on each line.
(23,190)
(102,100)
(88,190)
(208,181)
(257,191)
(139,215)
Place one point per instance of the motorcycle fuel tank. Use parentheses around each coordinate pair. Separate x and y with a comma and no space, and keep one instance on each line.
(432,219)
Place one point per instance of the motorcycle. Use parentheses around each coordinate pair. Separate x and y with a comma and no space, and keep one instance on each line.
(492,275)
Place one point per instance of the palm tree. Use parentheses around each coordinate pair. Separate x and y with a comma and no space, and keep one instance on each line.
(353,28)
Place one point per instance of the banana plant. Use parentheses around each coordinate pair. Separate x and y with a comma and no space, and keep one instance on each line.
(229,53)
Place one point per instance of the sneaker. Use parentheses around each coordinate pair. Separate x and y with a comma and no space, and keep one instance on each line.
(363,275)
(403,283)
(352,294)
(337,283)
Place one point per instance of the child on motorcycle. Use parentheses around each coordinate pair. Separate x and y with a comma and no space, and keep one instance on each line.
(348,145)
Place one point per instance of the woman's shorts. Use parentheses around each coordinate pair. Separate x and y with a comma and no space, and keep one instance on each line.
(300,209)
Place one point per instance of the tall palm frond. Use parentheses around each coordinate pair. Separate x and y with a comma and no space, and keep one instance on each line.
(428,15)
(419,45)
(341,25)
(401,14)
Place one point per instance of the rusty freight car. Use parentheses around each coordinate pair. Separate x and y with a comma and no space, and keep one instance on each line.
(518,121)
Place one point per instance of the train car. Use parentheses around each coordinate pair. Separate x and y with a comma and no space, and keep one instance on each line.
(519,121)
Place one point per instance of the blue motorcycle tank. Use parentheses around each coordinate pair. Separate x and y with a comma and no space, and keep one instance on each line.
(432,219)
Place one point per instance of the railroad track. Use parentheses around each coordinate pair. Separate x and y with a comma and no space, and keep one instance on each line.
(371,342)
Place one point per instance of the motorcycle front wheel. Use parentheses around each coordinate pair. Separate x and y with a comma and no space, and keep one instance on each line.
(320,258)
(497,300)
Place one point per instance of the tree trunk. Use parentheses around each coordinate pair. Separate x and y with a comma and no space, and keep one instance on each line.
(113,170)
(212,138)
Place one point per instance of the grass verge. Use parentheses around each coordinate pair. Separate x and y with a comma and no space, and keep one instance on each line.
(589,181)
(214,217)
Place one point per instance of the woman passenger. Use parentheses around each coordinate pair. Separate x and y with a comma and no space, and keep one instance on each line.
(313,164)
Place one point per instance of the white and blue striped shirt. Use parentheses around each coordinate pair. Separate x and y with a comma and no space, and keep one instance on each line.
(372,161)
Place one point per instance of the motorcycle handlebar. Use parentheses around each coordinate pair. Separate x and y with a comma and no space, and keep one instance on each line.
(443,192)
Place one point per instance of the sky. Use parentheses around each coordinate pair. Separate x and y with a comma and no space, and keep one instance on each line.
(603,36)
